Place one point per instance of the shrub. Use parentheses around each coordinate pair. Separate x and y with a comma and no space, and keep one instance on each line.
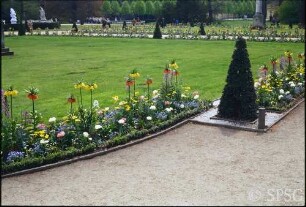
(157,33)
(238,99)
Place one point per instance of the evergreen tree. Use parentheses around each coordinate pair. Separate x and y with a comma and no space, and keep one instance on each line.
(238,100)
(157,33)
(202,31)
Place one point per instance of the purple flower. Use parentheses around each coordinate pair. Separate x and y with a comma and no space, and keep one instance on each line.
(13,155)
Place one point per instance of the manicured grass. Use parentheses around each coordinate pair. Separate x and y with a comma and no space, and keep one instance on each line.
(54,64)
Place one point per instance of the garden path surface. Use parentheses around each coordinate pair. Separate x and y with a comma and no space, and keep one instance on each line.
(191,165)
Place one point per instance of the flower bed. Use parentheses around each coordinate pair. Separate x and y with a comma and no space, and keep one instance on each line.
(29,142)
(183,32)
(281,87)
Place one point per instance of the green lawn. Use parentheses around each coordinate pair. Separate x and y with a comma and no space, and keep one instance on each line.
(54,64)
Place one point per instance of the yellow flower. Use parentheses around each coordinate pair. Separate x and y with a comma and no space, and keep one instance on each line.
(80,85)
(288,53)
(173,66)
(127,107)
(116,98)
(91,86)
(10,92)
(134,75)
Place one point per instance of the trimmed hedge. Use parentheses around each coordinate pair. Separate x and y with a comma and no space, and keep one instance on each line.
(36,25)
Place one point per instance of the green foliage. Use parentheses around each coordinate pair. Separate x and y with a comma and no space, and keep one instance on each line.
(190,11)
(289,11)
(140,8)
(150,9)
(238,100)
(157,33)
(116,9)
(125,8)
(158,8)
(106,8)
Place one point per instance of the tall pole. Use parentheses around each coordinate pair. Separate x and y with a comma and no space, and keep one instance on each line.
(21,30)
(258,17)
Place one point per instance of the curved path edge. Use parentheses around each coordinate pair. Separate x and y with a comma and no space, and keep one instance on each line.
(133,142)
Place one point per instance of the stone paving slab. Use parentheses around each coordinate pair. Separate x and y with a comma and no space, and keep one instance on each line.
(271,119)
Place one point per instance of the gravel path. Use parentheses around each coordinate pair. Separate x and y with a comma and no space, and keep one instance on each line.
(192,165)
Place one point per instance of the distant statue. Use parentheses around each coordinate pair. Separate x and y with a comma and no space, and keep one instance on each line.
(42,14)
(13,16)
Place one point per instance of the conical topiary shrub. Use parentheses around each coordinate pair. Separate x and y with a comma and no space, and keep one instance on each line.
(202,31)
(157,33)
(238,100)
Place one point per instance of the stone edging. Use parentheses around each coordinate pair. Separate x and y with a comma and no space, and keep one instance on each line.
(251,129)
(133,142)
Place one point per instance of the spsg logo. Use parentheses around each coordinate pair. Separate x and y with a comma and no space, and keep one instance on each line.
(276,194)
(285,194)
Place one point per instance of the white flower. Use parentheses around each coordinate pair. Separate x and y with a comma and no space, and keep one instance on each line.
(196,97)
(89,138)
(169,109)
(183,95)
(85,134)
(256,84)
(281,91)
(141,97)
(121,103)
(182,106)
(153,107)
(280,97)
(286,78)
(43,141)
(259,80)
(287,92)
(292,85)
(52,119)
(149,118)
(155,92)
(96,103)
(122,121)
(300,84)
(98,126)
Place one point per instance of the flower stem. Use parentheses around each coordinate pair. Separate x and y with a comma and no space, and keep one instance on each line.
(81,97)
(91,101)
(134,87)
(33,115)
(129,93)
(71,108)
(148,91)
(11,107)
(166,85)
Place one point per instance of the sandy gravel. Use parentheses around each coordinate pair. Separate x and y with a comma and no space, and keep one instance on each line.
(192,165)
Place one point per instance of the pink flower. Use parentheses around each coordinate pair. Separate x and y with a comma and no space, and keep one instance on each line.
(41,126)
(167,103)
(60,134)
(122,121)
